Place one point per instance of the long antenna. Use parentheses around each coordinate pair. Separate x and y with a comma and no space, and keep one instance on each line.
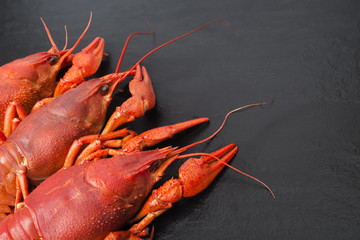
(80,38)
(167,43)
(183,149)
(49,36)
(223,123)
(66,38)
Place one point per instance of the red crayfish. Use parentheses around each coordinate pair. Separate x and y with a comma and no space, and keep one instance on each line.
(96,198)
(33,78)
(31,155)
(93,199)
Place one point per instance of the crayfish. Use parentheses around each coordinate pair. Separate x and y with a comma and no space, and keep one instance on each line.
(93,199)
(98,196)
(31,81)
(40,143)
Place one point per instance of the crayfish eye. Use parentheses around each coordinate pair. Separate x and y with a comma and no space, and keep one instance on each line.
(103,90)
(154,166)
(52,60)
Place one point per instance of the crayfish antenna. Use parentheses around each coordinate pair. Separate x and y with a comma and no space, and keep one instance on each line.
(114,86)
(49,36)
(80,38)
(169,42)
(183,149)
(66,38)
(127,42)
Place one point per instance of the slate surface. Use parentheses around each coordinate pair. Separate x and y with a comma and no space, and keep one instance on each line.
(305,146)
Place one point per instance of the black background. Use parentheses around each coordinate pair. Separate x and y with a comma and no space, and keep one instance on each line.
(305,146)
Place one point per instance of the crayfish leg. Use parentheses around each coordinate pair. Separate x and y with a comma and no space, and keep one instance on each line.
(13,112)
(41,103)
(128,235)
(22,187)
(131,142)
(77,144)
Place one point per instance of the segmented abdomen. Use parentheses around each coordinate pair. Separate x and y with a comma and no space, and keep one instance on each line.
(19,226)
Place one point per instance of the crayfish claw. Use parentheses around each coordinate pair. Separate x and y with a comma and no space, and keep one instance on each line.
(85,64)
(89,58)
(197,173)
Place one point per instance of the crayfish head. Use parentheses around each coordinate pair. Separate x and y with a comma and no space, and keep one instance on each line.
(87,102)
(40,68)
(130,174)
(98,88)
(48,63)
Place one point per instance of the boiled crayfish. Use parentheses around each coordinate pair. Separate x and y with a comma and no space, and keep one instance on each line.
(30,152)
(31,79)
(97,198)
(29,155)
(91,200)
